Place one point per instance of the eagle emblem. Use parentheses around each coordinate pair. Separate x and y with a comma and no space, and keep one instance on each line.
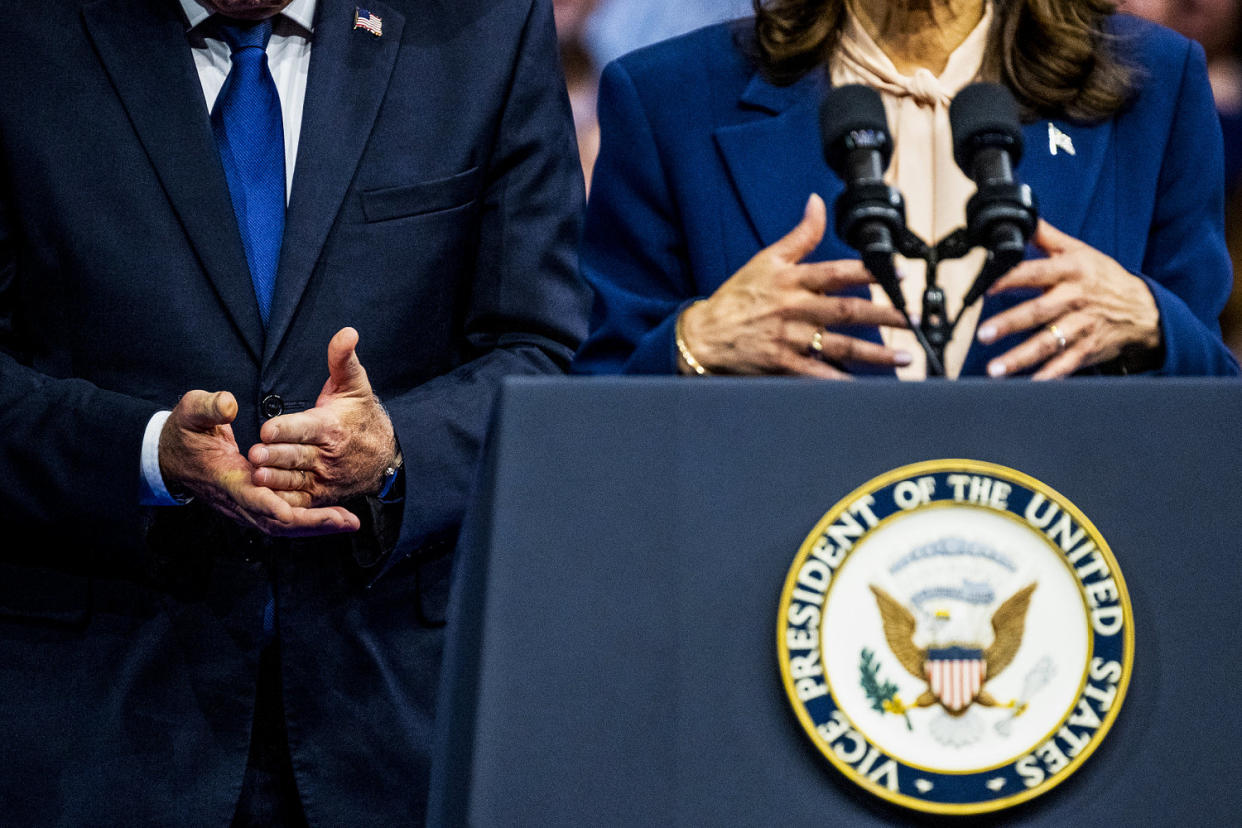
(956,672)
(966,574)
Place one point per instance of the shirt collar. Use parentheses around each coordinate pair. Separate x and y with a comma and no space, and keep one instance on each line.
(301,12)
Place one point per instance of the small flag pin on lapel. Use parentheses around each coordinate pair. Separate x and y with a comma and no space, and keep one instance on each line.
(363,19)
(1058,140)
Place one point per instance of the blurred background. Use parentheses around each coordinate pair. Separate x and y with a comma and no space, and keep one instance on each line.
(594,32)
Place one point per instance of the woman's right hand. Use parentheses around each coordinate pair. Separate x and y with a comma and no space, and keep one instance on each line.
(764,319)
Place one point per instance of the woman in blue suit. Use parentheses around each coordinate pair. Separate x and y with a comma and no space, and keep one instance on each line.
(707,239)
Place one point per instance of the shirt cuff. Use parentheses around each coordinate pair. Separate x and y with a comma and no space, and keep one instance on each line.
(154,492)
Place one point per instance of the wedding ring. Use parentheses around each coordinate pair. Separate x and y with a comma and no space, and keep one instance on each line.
(1058,336)
(817,344)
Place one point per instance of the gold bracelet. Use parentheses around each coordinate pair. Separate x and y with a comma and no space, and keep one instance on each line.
(695,365)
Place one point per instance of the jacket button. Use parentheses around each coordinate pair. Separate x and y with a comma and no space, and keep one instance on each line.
(272,406)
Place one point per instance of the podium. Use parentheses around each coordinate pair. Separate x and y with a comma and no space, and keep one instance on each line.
(611,655)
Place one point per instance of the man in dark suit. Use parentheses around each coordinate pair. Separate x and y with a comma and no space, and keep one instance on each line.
(202,489)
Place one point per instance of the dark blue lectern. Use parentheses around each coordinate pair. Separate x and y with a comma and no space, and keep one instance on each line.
(612,658)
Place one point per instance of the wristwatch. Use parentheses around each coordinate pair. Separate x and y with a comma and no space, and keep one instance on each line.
(390,490)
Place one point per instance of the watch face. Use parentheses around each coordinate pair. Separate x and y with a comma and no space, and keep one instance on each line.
(388,485)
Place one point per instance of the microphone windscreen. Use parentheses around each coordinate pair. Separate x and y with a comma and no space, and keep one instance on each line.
(852,117)
(984,114)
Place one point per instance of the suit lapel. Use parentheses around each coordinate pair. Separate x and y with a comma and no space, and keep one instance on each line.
(349,73)
(1062,163)
(776,162)
(143,46)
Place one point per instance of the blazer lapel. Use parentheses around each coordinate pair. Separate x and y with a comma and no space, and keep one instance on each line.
(349,74)
(143,46)
(776,162)
(1062,163)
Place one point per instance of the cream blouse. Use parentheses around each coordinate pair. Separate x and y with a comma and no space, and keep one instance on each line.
(923,169)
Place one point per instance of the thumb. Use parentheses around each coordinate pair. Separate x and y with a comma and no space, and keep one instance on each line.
(1051,240)
(798,243)
(345,370)
(202,411)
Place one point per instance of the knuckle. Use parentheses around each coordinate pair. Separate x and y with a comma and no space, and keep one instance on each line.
(785,306)
(849,312)
(787,280)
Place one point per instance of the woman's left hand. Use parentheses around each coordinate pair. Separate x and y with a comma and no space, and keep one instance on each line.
(1090,309)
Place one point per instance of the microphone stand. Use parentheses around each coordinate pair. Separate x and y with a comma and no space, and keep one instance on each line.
(911,247)
(935,329)
(1000,217)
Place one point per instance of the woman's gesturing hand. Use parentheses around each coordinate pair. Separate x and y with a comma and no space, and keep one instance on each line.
(769,317)
(1090,309)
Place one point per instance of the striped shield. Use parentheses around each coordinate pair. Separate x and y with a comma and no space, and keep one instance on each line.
(956,676)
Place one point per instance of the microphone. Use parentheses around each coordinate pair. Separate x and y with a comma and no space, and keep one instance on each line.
(870,215)
(987,145)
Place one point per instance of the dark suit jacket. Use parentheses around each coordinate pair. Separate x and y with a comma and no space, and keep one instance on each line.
(435,207)
(703,162)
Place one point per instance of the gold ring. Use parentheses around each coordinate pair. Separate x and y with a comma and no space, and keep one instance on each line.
(817,344)
(1058,336)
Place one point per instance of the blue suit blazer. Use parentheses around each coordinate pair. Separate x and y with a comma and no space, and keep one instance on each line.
(703,163)
(436,207)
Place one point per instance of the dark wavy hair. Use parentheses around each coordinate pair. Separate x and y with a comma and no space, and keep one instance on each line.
(1054,55)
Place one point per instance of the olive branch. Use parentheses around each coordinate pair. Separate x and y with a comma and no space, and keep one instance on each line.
(882,693)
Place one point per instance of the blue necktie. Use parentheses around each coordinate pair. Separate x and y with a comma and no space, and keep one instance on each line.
(250,135)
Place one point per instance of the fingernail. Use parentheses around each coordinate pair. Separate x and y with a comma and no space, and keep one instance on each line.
(996,369)
(260,456)
(904,358)
(987,333)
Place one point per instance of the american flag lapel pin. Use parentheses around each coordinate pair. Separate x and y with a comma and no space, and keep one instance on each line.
(1058,140)
(363,19)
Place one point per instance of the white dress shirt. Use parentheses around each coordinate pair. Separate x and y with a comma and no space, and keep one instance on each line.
(288,58)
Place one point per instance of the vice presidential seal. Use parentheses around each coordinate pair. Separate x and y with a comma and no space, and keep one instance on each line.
(955,637)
